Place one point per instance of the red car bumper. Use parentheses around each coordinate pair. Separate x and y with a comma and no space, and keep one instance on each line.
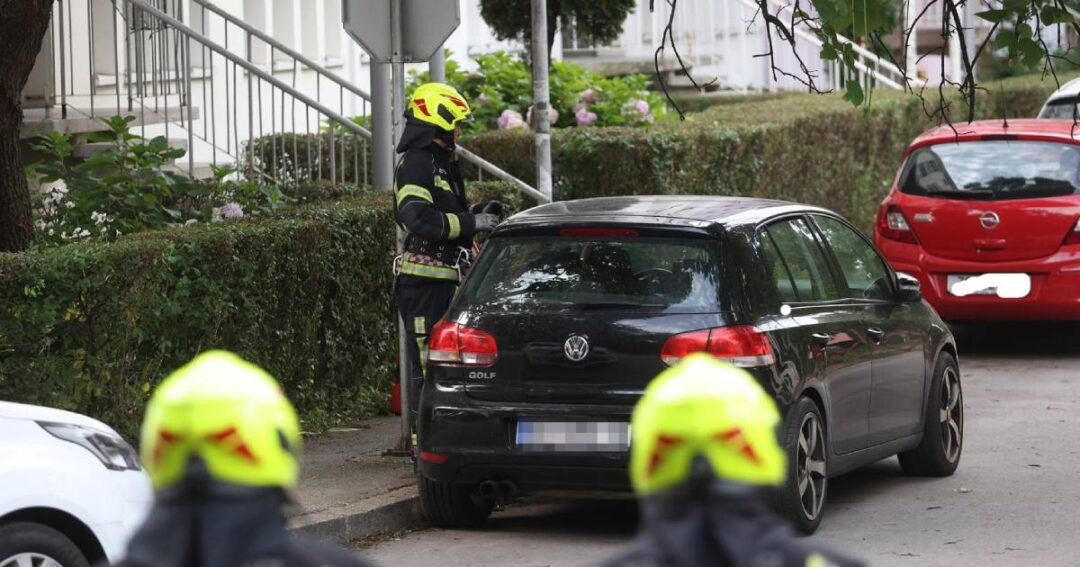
(1055,284)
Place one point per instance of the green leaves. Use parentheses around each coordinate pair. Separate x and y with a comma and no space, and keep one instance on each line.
(854,93)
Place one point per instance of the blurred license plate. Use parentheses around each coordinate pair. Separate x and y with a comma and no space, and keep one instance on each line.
(1002,285)
(566,436)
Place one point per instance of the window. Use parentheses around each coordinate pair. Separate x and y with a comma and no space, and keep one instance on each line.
(778,272)
(672,275)
(865,272)
(993,170)
(804,260)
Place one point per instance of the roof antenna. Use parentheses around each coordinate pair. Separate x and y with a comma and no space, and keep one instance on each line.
(1004,108)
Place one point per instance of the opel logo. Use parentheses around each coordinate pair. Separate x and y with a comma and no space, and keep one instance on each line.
(576,348)
(989,220)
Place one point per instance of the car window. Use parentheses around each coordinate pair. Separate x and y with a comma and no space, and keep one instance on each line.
(993,170)
(804,260)
(865,274)
(778,272)
(1065,108)
(669,274)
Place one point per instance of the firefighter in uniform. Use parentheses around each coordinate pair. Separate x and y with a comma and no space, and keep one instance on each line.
(703,454)
(429,194)
(220,442)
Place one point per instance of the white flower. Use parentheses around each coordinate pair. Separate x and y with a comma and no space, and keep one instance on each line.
(227,211)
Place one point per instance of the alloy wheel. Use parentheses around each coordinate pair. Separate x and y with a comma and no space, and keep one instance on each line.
(951,415)
(29,559)
(810,466)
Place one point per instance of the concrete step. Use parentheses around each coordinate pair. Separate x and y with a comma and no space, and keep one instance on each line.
(84,114)
(90,148)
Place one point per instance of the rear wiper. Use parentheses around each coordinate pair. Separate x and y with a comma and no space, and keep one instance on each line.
(969,194)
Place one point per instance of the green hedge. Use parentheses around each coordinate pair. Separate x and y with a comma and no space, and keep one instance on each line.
(92,327)
(808,148)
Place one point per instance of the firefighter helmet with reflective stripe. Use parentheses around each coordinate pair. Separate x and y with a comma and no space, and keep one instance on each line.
(438,104)
(227,412)
(704,407)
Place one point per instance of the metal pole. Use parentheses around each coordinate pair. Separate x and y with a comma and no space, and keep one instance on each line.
(911,54)
(397,97)
(969,31)
(437,66)
(541,97)
(382,130)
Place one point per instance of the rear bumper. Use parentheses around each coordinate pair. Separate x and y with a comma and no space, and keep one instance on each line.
(473,441)
(1055,284)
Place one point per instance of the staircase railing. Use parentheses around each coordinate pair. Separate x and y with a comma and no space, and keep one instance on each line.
(249,101)
(832,75)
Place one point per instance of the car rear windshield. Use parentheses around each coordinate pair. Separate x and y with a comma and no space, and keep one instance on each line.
(994,170)
(1065,108)
(671,275)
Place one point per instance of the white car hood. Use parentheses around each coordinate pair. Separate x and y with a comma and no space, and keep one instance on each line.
(11,410)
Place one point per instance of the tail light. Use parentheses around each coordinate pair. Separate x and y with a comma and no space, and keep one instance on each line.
(744,346)
(452,343)
(1074,235)
(892,224)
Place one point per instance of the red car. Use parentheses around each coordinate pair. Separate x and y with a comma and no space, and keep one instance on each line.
(989,222)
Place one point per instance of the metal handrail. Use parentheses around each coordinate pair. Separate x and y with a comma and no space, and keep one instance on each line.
(251,68)
(864,54)
(343,83)
(278,46)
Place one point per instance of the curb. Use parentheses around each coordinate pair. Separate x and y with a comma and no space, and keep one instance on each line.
(396,510)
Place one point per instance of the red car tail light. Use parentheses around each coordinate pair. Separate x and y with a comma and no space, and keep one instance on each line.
(745,346)
(1073,236)
(893,225)
(452,343)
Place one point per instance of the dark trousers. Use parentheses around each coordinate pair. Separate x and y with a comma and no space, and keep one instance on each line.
(421,306)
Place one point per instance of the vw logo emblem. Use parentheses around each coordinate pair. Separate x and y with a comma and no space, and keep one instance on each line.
(576,348)
(989,220)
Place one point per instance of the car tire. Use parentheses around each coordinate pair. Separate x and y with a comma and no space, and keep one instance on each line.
(802,497)
(943,433)
(36,544)
(449,505)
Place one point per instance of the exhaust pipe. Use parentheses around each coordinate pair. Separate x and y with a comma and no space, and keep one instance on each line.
(489,489)
(507,489)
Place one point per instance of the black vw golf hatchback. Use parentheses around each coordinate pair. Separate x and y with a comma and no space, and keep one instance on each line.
(572,308)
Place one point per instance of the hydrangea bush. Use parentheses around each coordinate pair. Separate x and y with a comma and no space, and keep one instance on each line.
(500,92)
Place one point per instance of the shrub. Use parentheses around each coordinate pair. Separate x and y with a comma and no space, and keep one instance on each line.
(809,148)
(298,159)
(504,82)
(94,326)
(129,186)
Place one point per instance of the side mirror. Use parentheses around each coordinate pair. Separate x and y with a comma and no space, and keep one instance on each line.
(909,290)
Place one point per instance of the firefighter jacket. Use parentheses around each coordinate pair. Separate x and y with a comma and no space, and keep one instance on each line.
(720,530)
(429,195)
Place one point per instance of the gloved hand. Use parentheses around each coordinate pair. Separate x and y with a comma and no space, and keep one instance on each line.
(486,222)
(496,208)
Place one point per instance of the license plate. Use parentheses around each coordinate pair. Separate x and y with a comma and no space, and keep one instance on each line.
(573,436)
(1007,286)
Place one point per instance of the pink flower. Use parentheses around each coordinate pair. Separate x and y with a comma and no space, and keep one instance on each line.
(585,118)
(553,116)
(579,107)
(510,119)
(589,96)
(641,106)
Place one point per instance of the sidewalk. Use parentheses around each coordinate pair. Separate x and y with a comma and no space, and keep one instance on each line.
(348,490)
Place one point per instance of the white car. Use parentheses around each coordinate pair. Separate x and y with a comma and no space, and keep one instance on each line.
(72,491)
(1063,103)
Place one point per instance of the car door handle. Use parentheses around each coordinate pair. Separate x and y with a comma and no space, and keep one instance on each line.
(821,339)
(876,334)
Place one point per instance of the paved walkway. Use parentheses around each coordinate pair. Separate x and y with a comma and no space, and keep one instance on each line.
(348,490)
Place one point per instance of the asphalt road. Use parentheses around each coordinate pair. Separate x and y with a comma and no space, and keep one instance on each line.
(1013,501)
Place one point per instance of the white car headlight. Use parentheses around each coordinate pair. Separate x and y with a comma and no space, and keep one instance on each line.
(110,449)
